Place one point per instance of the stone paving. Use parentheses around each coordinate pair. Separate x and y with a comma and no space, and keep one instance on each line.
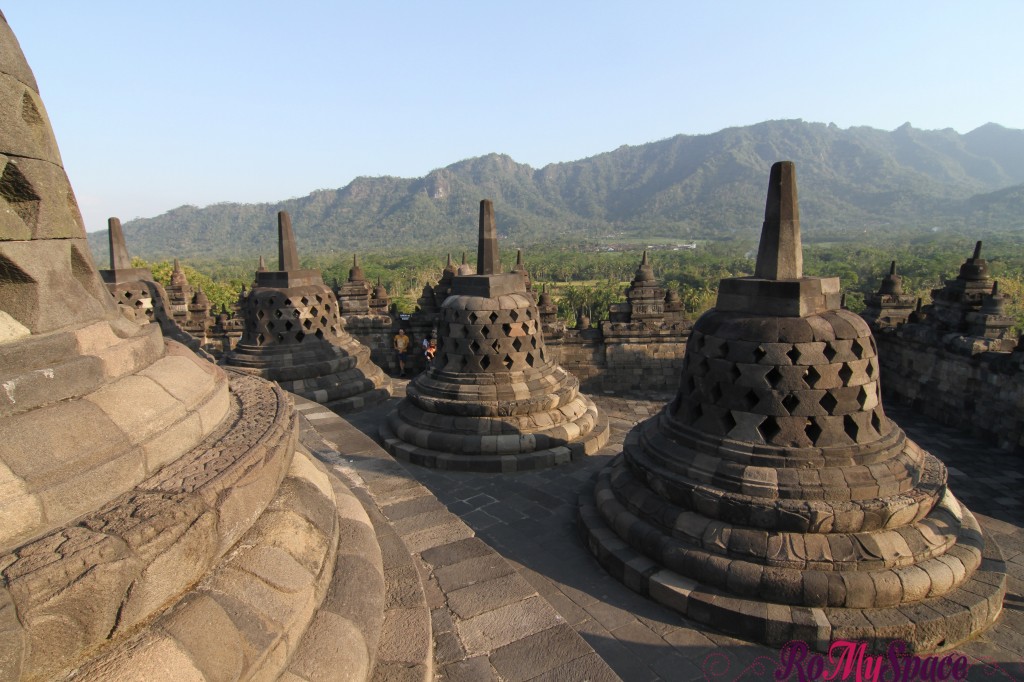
(530,519)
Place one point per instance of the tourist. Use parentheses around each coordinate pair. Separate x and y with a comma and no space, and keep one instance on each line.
(430,351)
(402,349)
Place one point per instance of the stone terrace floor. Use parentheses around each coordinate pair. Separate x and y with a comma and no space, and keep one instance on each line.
(530,519)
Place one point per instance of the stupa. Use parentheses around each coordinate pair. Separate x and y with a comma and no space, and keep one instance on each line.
(295,335)
(772,498)
(645,297)
(133,288)
(952,302)
(889,307)
(158,521)
(354,294)
(492,400)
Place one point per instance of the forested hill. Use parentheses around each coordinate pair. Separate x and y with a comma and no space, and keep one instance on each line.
(687,186)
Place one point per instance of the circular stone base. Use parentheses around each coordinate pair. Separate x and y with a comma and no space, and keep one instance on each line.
(927,625)
(494,463)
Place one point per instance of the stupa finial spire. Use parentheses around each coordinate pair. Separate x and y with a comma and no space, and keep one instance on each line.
(892,268)
(488,260)
(119,258)
(287,253)
(780,254)
(977,250)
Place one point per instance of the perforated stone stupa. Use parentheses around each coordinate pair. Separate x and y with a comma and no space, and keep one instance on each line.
(492,400)
(133,288)
(295,335)
(156,518)
(773,498)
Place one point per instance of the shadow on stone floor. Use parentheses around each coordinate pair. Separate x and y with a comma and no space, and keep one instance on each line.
(530,518)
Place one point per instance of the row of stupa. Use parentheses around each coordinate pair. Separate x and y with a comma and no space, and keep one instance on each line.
(967,314)
(492,400)
(158,511)
(772,498)
(777,436)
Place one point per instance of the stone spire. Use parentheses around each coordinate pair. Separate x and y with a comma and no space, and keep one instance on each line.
(355,274)
(520,269)
(119,258)
(287,252)
(465,268)
(178,277)
(779,255)
(889,307)
(488,260)
(974,268)
(644,273)
(262,265)
(779,287)
(960,297)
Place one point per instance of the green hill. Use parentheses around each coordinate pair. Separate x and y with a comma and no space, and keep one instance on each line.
(687,186)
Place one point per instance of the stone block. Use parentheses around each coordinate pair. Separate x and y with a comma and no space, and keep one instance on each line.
(471,571)
(406,636)
(12,639)
(488,595)
(21,510)
(332,649)
(138,406)
(539,653)
(203,630)
(156,657)
(168,574)
(494,629)
(455,552)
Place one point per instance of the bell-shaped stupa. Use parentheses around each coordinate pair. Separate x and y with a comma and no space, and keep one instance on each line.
(295,335)
(493,400)
(773,498)
(157,520)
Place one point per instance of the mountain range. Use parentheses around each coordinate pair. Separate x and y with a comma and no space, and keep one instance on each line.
(852,180)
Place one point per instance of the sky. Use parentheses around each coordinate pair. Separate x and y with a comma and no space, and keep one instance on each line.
(159,104)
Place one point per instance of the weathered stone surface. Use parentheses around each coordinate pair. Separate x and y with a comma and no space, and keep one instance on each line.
(774,479)
(492,400)
(294,334)
(130,468)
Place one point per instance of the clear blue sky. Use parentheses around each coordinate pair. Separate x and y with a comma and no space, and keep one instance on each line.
(159,104)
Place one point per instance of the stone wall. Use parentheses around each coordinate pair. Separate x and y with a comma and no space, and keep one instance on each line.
(376,332)
(623,357)
(981,393)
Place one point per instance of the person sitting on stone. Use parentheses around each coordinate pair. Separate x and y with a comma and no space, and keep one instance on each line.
(402,350)
(430,351)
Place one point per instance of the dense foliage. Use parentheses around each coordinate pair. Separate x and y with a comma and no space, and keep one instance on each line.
(591,280)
